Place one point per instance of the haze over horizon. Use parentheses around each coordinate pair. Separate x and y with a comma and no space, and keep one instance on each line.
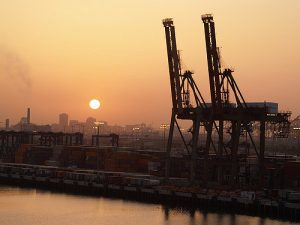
(55,56)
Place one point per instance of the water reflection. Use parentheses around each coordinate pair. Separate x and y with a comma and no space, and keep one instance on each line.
(31,207)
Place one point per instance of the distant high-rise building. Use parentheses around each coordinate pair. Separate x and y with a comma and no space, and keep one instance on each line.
(90,120)
(63,121)
(73,125)
(90,125)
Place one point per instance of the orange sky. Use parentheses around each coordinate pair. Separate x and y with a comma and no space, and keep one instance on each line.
(57,55)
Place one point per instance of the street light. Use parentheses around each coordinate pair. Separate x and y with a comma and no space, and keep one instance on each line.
(164,126)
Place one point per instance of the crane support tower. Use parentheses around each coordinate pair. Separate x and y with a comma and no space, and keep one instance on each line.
(227,122)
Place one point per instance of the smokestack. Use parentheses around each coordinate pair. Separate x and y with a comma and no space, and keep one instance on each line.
(6,124)
(28,115)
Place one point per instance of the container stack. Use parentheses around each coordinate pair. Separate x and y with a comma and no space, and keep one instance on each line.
(20,156)
(37,155)
(73,156)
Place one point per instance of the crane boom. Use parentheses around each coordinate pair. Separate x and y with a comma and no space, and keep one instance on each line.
(174,66)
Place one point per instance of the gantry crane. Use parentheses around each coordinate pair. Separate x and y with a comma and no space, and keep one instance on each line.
(183,87)
(188,104)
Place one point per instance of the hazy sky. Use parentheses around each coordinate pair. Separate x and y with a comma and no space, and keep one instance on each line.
(56,55)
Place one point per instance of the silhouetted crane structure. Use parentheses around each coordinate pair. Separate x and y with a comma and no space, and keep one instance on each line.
(225,118)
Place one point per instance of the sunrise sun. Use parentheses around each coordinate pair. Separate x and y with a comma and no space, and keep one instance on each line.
(94,104)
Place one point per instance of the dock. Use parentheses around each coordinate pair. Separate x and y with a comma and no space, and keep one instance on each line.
(142,188)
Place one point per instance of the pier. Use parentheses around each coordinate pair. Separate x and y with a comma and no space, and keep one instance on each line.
(144,188)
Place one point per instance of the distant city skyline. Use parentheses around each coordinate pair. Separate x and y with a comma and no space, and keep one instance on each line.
(63,119)
(66,124)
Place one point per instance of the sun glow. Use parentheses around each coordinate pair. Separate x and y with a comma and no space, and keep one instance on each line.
(94,104)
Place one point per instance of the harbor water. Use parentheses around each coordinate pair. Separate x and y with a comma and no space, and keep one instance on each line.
(20,206)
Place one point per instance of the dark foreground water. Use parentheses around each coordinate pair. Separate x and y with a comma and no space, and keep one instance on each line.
(34,207)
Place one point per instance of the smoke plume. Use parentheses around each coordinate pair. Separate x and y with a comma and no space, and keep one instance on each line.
(13,68)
